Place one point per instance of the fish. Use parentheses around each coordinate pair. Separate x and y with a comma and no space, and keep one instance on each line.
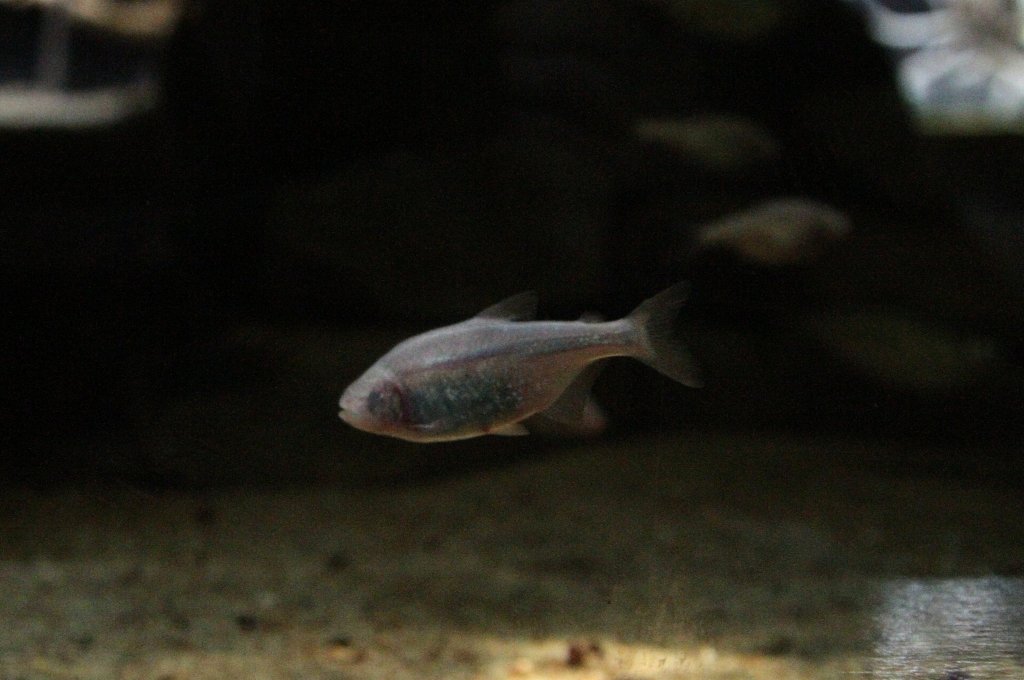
(502,370)
(784,231)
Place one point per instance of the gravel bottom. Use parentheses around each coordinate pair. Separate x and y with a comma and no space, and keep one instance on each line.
(666,557)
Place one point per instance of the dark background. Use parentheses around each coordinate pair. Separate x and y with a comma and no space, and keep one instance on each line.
(188,293)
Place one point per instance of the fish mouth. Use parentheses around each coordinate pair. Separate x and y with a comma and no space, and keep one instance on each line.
(353,418)
(349,416)
(345,407)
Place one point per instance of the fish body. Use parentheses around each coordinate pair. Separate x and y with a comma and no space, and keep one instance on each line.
(785,231)
(488,374)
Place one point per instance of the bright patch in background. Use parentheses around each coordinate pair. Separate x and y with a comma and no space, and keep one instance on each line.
(950,628)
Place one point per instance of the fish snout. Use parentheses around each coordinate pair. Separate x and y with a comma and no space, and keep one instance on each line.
(355,411)
(349,406)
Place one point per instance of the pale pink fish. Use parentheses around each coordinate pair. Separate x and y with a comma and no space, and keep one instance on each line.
(490,373)
(784,231)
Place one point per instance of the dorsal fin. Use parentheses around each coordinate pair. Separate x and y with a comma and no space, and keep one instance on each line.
(520,307)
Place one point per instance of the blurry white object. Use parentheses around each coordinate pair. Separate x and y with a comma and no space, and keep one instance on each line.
(141,18)
(961,64)
(49,95)
(949,628)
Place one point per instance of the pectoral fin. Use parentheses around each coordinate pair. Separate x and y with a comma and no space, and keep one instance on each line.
(512,430)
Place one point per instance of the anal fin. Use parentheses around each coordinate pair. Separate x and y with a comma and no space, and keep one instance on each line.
(575,404)
(592,423)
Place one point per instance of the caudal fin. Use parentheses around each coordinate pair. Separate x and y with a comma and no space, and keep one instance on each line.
(661,349)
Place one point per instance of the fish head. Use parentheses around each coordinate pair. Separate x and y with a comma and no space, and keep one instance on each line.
(376,402)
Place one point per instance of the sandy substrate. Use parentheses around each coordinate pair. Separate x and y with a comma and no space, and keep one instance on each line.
(650,558)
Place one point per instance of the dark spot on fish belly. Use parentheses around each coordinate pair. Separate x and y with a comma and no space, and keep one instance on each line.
(464,401)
